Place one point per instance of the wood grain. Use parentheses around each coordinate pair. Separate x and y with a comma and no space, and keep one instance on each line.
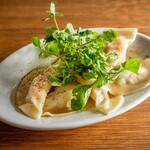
(20,20)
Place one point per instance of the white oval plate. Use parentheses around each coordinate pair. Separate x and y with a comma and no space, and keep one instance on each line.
(14,67)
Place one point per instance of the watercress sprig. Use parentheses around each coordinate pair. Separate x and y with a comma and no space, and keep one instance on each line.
(80,52)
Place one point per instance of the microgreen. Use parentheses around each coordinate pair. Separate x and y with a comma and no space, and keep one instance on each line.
(52,14)
(36,42)
(132,64)
(81,94)
(80,52)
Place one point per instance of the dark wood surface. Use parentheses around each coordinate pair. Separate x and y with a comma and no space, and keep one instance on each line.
(20,20)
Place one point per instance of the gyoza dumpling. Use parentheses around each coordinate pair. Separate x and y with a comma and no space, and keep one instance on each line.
(32,104)
(24,85)
(105,102)
(59,101)
(128,33)
(130,82)
(120,44)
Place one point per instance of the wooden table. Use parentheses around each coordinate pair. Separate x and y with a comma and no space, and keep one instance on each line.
(20,20)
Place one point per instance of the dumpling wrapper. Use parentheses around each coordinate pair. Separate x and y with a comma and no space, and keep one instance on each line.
(130,82)
(24,85)
(121,43)
(104,102)
(58,102)
(32,104)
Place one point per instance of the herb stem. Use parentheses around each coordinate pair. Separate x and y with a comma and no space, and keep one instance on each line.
(56,60)
(82,45)
(56,23)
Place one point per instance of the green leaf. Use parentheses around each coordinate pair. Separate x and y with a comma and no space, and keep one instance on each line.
(115,69)
(59,14)
(69,28)
(52,7)
(76,104)
(55,81)
(101,80)
(36,42)
(109,35)
(114,77)
(95,34)
(56,14)
(89,74)
(111,56)
(48,38)
(81,94)
(54,47)
(68,78)
(132,64)
(86,60)
(50,30)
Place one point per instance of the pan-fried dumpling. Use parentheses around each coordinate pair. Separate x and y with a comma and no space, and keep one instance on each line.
(32,104)
(24,85)
(105,102)
(59,101)
(130,82)
(120,44)
(128,33)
